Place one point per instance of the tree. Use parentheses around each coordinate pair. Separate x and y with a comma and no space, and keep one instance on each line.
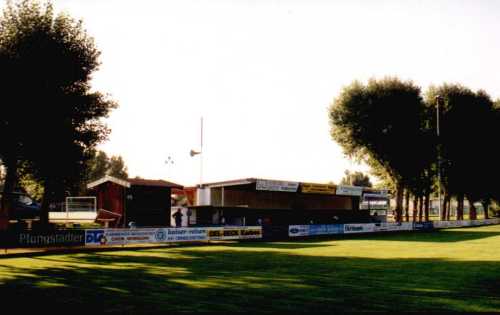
(467,122)
(379,124)
(97,166)
(100,165)
(356,179)
(55,120)
(117,167)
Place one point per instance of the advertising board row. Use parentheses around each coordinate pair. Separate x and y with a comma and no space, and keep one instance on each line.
(311,230)
(98,237)
(166,235)
(308,188)
(464,223)
(125,236)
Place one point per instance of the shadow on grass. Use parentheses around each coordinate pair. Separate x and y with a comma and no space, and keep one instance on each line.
(184,279)
(290,244)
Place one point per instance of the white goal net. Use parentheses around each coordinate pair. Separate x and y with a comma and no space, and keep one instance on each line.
(81,204)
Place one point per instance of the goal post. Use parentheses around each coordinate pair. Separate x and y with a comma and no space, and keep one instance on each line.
(81,204)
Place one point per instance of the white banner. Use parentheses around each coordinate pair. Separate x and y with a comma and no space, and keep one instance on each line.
(448,224)
(359,228)
(463,223)
(298,230)
(381,195)
(349,190)
(478,222)
(132,236)
(276,185)
(186,234)
(393,226)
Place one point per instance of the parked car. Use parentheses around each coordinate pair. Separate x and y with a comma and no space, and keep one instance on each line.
(23,206)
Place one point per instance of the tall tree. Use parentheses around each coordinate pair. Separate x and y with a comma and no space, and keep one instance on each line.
(467,122)
(48,61)
(117,167)
(97,166)
(100,165)
(379,122)
(356,179)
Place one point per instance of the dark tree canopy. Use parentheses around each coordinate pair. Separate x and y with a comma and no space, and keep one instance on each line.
(100,165)
(54,118)
(387,124)
(356,179)
(380,123)
(467,123)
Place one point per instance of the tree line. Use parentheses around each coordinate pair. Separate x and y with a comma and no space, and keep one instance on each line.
(417,142)
(51,119)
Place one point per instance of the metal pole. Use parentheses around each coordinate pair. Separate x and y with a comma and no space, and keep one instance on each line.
(438,98)
(201,152)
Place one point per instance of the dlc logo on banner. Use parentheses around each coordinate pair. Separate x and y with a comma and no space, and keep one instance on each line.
(94,237)
(160,235)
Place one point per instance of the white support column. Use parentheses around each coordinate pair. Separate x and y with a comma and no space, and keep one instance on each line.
(222,196)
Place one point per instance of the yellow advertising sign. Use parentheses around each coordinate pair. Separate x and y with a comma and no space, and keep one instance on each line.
(310,188)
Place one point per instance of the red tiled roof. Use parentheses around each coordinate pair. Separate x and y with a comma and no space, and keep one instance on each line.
(152,182)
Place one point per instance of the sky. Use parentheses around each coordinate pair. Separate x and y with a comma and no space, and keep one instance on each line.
(262,74)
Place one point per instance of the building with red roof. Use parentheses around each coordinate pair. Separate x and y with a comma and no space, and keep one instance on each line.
(147,202)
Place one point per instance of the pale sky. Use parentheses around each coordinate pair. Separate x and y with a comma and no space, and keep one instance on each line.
(263,73)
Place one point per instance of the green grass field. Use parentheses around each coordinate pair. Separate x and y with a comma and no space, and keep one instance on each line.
(449,270)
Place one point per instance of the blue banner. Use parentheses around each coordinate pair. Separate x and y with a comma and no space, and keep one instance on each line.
(326,229)
(423,225)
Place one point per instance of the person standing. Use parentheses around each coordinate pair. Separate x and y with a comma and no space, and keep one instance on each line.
(178,218)
(188,213)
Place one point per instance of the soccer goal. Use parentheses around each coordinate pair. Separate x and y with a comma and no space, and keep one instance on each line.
(81,204)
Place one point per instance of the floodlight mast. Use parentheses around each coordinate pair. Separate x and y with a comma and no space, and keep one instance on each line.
(201,151)
(193,152)
(438,100)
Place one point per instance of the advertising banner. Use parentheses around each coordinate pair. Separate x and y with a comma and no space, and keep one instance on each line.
(465,223)
(315,229)
(276,185)
(185,234)
(143,236)
(326,229)
(477,222)
(166,235)
(359,228)
(494,221)
(133,236)
(298,230)
(446,224)
(310,188)
(234,233)
(376,195)
(349,190)
(393,226)
(250,232)
(94,237)
(423,225)
(43,238)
